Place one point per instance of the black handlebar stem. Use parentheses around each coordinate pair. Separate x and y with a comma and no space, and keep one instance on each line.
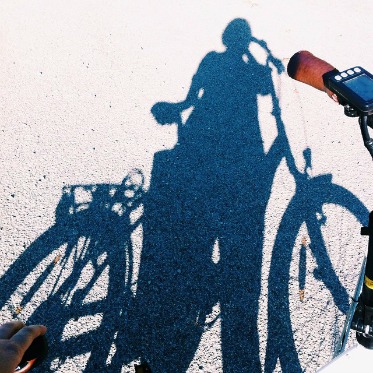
(364,121)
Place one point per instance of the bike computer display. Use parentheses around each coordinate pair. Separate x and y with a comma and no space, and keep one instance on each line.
(353,87)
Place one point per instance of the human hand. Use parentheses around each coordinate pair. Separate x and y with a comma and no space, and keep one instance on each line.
(15,339)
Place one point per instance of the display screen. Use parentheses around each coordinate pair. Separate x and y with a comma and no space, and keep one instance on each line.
(362,85)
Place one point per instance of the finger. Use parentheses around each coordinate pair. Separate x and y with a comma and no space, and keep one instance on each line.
(27,367)
(10,328)
(24,337)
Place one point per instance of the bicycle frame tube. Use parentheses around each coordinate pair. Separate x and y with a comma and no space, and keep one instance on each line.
(363,317)
(341,345)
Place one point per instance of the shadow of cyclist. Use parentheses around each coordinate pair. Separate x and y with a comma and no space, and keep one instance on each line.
(208,194)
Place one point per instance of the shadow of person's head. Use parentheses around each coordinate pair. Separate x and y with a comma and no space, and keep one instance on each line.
(237,35)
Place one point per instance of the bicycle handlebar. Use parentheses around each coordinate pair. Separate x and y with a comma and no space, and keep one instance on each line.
(309,69)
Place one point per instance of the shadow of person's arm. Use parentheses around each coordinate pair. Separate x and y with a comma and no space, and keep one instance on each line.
(270,57)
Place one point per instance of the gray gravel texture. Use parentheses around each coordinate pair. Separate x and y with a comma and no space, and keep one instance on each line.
(217,234)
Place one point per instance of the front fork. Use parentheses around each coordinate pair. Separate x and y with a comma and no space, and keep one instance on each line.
(362,320)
